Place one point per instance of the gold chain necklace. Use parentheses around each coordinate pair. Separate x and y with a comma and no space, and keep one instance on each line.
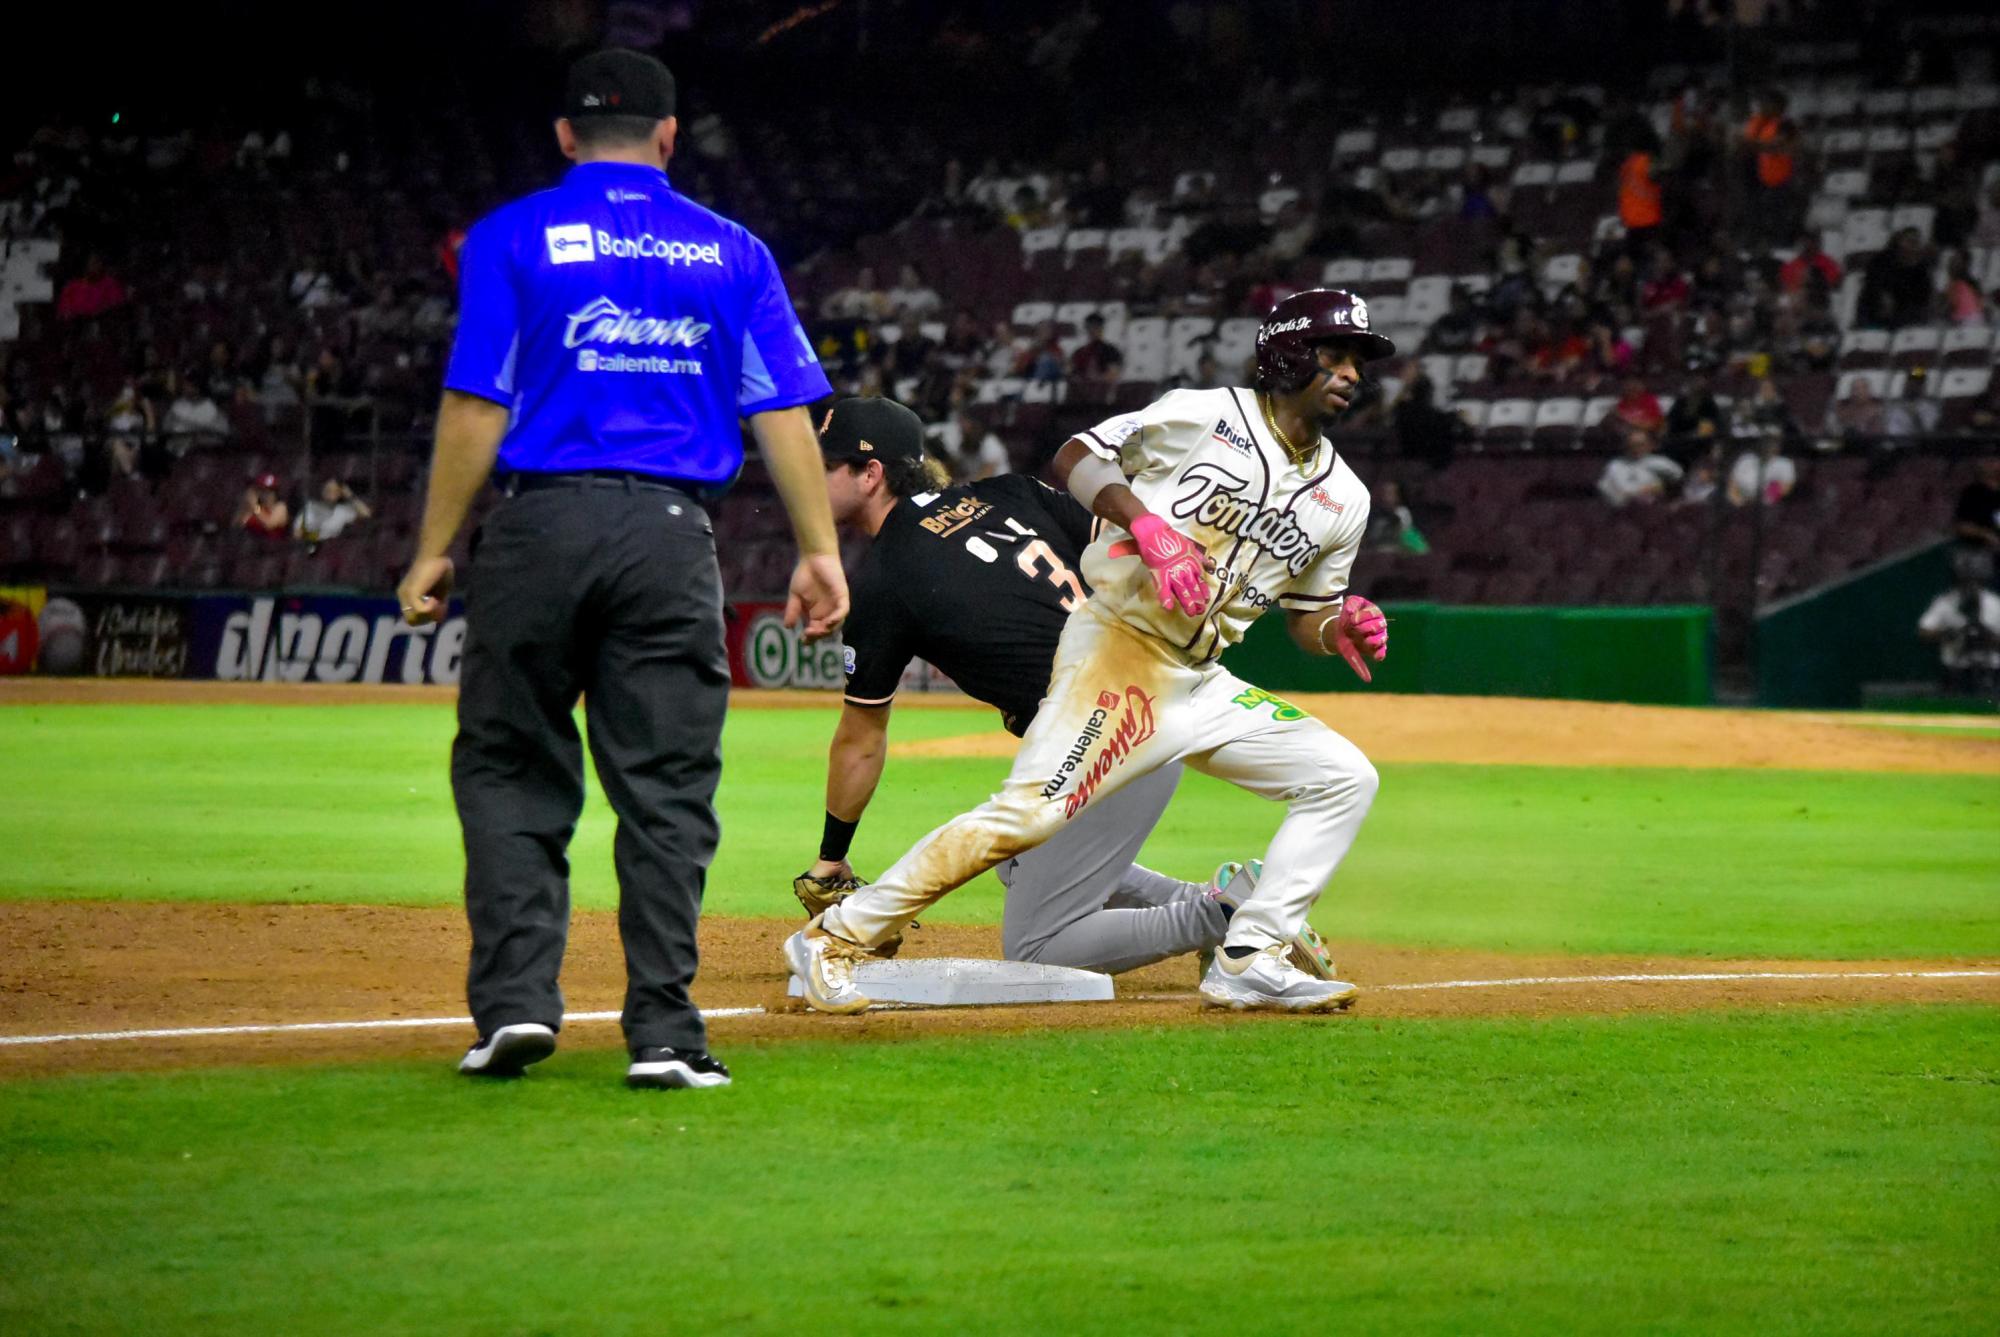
(1297,456)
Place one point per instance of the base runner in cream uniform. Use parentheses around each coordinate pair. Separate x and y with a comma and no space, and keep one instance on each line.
(1217,506)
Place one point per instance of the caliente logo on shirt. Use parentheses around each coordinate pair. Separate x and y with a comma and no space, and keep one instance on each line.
(603,321)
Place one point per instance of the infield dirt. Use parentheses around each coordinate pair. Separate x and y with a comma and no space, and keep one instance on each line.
(68,967)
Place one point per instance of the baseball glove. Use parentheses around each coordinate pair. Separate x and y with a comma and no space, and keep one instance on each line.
(819,894)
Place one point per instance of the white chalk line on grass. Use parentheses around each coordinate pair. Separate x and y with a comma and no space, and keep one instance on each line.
(721,1013)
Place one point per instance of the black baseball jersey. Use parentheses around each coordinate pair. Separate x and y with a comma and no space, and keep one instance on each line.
(978,580)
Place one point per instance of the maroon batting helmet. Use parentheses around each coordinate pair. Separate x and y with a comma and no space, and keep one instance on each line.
(1286,339)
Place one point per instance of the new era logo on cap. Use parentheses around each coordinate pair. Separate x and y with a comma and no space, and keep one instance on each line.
(569,243)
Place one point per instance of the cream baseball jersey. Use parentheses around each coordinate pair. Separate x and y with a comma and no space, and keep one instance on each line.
(1280,535)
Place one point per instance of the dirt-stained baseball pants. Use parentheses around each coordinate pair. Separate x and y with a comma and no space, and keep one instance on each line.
(1121,706)
(1078,900)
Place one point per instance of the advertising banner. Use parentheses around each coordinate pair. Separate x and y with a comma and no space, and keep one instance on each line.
(321,638)
(85,633)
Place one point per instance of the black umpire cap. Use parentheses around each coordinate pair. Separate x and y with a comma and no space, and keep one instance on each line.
(864,427)
(617,82)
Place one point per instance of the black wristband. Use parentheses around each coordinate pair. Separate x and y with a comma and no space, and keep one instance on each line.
(835,839)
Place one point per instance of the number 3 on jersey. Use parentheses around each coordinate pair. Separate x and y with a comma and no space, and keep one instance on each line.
(1032,559)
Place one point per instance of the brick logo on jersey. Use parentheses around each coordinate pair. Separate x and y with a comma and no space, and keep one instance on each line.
(569,244)
(955,516)
(1227,434)
(1134,726)
(1219,500)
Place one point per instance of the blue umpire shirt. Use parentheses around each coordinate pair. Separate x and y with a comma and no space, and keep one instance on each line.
(627,328)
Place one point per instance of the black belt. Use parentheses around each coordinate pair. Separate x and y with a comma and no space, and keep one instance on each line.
(537,482)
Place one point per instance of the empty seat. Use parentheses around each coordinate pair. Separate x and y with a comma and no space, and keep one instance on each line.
(1558,417)
(1849,184)
(1916,346)
(1145,349)
(1470,369)
(1028,315)
(1864,348)
(1509,419)
(1963,382)
(1083,239)
(1236,341)
(1449,158)
(1344,273)
(1389,269)
(1967,343)
(1402,160)
(1353,144)
(1039,242)
(1865,231)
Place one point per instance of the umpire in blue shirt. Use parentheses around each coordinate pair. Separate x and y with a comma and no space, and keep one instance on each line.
(611,334)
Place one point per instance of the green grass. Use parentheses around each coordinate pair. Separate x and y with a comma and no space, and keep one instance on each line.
(351,804)
(1795,1172)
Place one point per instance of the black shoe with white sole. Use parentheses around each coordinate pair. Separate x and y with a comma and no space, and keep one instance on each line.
(509,1050)
(666,1069)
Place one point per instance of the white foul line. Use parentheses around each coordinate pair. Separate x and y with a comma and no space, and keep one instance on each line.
(720,1013)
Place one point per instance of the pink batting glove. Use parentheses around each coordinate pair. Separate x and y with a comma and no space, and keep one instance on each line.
(1175,563)
(1362,627)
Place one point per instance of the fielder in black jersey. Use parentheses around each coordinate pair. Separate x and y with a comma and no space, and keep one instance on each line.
(978,580)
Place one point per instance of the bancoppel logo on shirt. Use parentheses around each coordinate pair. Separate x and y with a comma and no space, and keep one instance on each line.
(569,243)
(646,246)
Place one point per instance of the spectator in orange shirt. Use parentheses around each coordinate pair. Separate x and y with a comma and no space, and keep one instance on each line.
(1810,265)
(1639,206)
(1773,139)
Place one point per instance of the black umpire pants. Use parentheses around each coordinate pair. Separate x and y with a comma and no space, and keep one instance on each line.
(611,592)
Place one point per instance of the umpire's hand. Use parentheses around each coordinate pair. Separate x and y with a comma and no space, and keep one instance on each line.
(426,590)
(818,595)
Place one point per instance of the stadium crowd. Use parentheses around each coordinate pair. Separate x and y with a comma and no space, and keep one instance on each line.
(1736,293)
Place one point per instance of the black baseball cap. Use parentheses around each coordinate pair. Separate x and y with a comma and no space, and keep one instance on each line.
(865,427)
(617,82)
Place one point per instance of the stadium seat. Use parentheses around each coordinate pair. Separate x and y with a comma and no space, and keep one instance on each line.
(1070,315)
(1597,409)
(1027,315)
(1272,201)
(1562,269)
(1343,273)
(1844,148)
(1236,341)
(1865,232)
(1350,144)
(1185,337)
(1470,369)
(1916,346)
(1493,157)
(1145,349)
(1128,241)
(1394,269)
(1864,348)
(1890,102)
(1963,382)
(1558,420)
(1577,172)
(1509,420)
(1933,100)
(1884,383)
(1402,160)
(1448,158)
(1437,366)
(1458,121)
(1969,344)
(1888,141)
(1083,239)
(1850,184)
(1473,411)
(1535,174)
(1918,216)
(1039,242)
